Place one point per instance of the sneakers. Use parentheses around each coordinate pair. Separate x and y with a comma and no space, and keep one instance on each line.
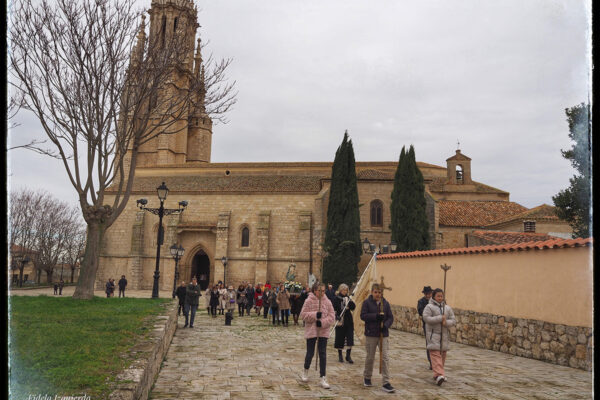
(304,376)
(367,382)
(324,383)
(440,379)
(388,388)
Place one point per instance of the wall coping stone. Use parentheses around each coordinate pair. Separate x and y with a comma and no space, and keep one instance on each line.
(135,382)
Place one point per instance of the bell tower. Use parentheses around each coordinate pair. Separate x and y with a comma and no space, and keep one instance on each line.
(189,136)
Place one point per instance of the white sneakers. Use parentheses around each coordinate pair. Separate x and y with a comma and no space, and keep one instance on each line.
(324,383)
(304,376)
(440,379)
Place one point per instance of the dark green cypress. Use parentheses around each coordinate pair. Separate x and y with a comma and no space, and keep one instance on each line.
(409,226)
(342,237)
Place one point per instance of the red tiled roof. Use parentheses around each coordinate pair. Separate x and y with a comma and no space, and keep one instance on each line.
(543,245)
(539,213)
(375,174)
(440,184)
(476,213)
(512,237)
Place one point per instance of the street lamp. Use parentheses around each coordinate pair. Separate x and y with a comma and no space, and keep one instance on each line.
(369,247)
(177,253)
(162,191)
(224,261)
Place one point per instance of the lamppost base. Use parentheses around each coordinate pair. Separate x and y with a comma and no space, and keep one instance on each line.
(155,285)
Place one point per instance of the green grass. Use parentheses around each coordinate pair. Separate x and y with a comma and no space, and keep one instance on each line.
(67,347)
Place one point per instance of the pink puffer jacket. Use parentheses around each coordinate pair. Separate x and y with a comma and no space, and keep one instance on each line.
(309,315)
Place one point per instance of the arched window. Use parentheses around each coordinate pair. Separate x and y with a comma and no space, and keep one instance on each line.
(163,30)
(459,174)
(376,213)
(245,237)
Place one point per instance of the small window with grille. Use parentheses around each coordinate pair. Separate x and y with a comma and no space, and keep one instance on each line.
(376,213)
(529,226)
(245,237)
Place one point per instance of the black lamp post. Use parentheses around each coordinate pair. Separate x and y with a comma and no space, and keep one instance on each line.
(162,192)
(369,247)
(177,253)
(224,261)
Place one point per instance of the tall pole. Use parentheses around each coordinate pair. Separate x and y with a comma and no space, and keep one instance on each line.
(175,276)
(158,244)
(445,268)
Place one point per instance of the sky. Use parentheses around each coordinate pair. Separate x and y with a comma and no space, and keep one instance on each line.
(494,76)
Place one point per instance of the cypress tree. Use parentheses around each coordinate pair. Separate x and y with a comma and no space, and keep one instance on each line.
(342,237)
(409,226)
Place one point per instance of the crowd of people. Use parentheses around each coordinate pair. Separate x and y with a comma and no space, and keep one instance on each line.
(321,309)
(110,287)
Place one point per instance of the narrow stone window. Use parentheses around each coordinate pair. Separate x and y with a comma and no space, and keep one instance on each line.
(163,30)
(376,213)
(245,237)
(529,226)
(175,24)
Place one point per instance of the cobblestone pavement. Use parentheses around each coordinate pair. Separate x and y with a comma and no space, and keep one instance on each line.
(252,359)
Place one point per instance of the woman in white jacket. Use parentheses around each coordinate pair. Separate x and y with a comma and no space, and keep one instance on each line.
(438,318)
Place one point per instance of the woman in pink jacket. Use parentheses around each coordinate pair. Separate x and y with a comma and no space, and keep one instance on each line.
(318,315)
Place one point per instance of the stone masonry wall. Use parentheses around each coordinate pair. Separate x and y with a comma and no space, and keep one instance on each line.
(554,343)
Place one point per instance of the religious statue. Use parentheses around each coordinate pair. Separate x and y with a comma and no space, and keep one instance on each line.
(291,272)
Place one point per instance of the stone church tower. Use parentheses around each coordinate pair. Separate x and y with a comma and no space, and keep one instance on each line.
(192,132)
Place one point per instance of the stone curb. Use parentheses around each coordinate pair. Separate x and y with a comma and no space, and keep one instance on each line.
(135,382)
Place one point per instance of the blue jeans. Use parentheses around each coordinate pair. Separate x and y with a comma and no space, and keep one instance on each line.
(186,311)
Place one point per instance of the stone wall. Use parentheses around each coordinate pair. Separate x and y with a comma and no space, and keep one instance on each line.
(554,343)
(135,382)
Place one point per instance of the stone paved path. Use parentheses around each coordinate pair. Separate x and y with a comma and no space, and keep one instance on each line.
(254,360)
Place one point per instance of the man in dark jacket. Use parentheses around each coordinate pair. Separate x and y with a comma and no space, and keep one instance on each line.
(378,317)
(180,293)
(249,298)
(330,293)
(421,304)
(122,285)
(192,293)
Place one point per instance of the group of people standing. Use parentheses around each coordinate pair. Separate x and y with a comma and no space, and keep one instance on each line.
(110,287)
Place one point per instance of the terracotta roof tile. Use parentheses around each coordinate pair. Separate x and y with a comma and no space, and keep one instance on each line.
(495,237)
(440,184)
(539,213)
(476,213)
(543,245)
(375,174)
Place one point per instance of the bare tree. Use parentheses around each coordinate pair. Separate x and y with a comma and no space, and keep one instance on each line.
(100,92)
(74,249)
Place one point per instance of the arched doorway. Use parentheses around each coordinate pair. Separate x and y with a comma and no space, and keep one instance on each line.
(201,269)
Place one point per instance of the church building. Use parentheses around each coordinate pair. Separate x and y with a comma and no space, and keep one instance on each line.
(265,216)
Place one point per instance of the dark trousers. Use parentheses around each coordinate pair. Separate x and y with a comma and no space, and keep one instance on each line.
(284,317)
(186,311)
(213,311)
(248,308)
(275,312)
(60,290)
(180,309)
(121,291)
(241,308)
(310,352)
(428,357)
(266,311)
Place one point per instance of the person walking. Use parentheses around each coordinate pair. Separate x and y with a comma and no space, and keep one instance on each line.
(107,290)
(241,300)
(421,304)
(274,307)
(438,317)
(61,285)
(230,300)
(295,307)
(266,294)
(207,299)
(258,301)
(222,299)
(378,317)
(330,292)
(122,285)
(318,315)
(180,293)
(56,288)
(344,329)
(192,294)
(214,300)
(112,287)
(249,298)
(283,301)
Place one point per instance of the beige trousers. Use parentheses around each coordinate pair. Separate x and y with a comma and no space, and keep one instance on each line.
(371,344)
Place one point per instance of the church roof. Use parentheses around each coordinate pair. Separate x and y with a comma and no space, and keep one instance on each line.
(233,183)
(459,157)
(476,213)
(543,245)
(543,212)
(496,237)
(440,184)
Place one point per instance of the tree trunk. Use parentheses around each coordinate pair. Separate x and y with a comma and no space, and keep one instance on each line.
(49,276)
(21,276)
(89,267)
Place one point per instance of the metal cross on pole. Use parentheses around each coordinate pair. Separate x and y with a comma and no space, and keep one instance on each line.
(445,268)
(383,288)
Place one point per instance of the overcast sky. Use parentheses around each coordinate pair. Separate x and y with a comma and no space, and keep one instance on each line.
(494,75)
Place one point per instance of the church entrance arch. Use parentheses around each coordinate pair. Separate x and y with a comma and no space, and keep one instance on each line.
(201,269)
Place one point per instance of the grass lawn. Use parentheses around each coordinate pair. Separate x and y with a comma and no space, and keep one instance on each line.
(68,347)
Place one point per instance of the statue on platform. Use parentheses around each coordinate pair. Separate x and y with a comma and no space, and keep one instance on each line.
(290,275)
